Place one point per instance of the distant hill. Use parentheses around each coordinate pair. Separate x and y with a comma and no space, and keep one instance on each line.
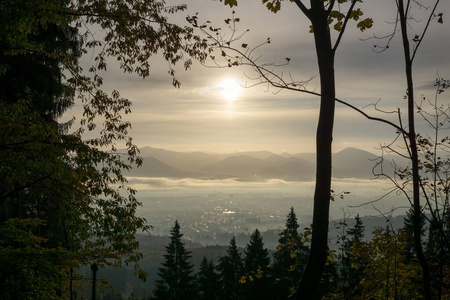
(152,167)
(241,166)
(261,165)
(352,162)
(188,161)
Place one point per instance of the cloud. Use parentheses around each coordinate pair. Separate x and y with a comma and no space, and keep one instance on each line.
(197,117)
(206,90)
(151,183)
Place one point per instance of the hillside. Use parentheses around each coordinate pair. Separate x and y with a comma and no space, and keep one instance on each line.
(262,165)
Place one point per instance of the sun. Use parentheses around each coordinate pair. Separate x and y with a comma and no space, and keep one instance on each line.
(230,89)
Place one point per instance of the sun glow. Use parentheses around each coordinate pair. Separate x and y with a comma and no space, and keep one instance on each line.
(230,89)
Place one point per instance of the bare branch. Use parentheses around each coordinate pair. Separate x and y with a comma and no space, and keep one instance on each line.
(347,17)
(430,17)
(303,8)
(399,128)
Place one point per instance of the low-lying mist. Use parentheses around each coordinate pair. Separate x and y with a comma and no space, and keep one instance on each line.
(213,206)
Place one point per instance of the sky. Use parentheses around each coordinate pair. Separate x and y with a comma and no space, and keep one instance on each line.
(202,115)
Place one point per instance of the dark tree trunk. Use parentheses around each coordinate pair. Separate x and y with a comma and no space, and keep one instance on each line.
(94,268)
(310,280)
(414,154)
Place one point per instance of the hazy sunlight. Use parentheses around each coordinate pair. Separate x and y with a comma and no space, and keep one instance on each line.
(230,89)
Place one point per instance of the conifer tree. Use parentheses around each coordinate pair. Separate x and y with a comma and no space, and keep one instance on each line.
(256,265)
(289,259)
(352,266)
(33,202)
(175,276)
(230,270)
(408,227)
(438,255)
(357,232)
(207,280)
(67,189)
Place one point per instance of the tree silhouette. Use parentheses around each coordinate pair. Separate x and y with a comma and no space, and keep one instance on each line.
(411,138)
(230,271)
(71,186)
(352,266)
(207,280)
(256,266)
(438,255)
(289,259)
(176,280)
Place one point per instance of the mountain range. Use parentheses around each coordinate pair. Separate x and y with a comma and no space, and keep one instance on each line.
(254,166)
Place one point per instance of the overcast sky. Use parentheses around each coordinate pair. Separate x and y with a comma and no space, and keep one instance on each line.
(199,117)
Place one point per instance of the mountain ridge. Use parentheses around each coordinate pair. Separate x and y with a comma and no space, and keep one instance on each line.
(247,165)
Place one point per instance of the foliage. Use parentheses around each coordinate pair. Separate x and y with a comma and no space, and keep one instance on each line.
(230,269)
(256,267)
(335,16)
(176,278)
(28,269)
(388,274)
(437,252)
(408,227)
(377,268)
(73,187)
(352,264)
(289,259)
(207,280)
(433,181)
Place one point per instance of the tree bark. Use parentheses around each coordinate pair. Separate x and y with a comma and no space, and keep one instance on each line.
(310,280)
(414,154)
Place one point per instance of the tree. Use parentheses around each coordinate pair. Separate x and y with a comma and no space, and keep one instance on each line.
(387,272)
(408,228)
(35,271)
(321,14)
(230,271)
(410,137)
(403,13)
(357,232)
(289,259)
(256,268)
(175,275)
(437,252)
(34,157)
(207,280)
(352,265)
(435,182)
(75,186)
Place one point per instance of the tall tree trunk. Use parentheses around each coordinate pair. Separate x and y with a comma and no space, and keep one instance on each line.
(413,153)
(310,280)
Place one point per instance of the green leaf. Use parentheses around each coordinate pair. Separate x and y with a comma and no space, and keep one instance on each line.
(335,14)
(365,24)
(230,3)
